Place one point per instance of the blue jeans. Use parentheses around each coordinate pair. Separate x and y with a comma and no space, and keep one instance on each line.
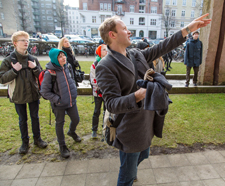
(128,168)
(21,110)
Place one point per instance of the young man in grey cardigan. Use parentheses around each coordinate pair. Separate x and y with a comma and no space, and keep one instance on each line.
(116,77)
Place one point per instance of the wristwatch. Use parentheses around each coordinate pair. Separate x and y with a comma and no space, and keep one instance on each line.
(187,29)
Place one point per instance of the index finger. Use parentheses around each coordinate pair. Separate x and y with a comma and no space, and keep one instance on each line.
(203,16)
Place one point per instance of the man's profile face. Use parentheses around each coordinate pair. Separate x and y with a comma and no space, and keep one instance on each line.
(123,34)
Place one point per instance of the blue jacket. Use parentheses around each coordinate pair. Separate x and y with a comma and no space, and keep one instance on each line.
(193,53)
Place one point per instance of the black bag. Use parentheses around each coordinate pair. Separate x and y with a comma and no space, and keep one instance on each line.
(79,75)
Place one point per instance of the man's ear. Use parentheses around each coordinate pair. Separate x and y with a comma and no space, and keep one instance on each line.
(112,34)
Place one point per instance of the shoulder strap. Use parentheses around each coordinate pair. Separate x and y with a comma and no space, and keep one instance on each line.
(13,57)
(53,76)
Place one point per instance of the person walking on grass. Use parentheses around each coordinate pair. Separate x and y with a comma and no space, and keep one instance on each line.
(62,95)
(116,77)
(20,71)
(101,52)
(193,57)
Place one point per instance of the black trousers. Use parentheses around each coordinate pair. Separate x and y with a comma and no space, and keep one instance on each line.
(21,110)
(97,112)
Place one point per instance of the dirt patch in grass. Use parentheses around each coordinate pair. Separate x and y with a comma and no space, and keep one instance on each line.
(107,152)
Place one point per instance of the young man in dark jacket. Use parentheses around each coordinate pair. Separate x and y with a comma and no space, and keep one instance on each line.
(193,57)
(21,76)
(116,76)
(62,96)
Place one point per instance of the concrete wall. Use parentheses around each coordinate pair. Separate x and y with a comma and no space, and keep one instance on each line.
(210,37)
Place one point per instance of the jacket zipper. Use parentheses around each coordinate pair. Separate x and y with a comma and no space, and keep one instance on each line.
(68,88)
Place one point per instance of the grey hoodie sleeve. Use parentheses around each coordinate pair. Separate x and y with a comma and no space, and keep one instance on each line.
(46,89)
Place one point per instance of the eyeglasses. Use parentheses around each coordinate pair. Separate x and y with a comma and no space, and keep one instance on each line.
(24,40)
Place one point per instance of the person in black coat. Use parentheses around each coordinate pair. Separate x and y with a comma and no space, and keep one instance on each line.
(64,45)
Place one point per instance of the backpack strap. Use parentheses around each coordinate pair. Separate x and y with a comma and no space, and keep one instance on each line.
(13,57)
(53,76)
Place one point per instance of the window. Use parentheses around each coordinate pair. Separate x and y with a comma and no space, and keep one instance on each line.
(184,3)
(109,7)
(154,0)
(0,3)
(43,11)
(167,2)
(193,3)
(141,21)
(43,18)
(183,13)
(202,3)
(165,35)
(84,6)
(154,10)
(167,12)
(131,8)
(182,24)
(141,9)
(173,13)
(44,23)
(141,1)
(50,24)
(153,22)
(172,24)
(101,6)
(42,5)
(84,19)
(2,16)
(200,12)
(48,12)
(102,18)
(174,2)
(93,19)
(105,6)
(119,9)
(171,33)
(47,6)
(192,13)
(49,18)
(131,21)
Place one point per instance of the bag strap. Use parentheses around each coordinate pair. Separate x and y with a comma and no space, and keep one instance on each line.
(134,88)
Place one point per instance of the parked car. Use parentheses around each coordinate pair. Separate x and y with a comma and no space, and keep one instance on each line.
(134,38)
(50,38)
(82,46)
(71,37)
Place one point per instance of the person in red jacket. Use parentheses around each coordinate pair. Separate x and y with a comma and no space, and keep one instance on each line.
(101,52)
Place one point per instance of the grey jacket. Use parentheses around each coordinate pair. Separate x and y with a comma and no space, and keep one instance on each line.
(116,76)
(64,90)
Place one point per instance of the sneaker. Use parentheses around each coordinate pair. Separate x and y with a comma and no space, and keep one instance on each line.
(74,136)
(195,84)
(135,179)
(24,147)
(94,134)
(64,151)
(186,85)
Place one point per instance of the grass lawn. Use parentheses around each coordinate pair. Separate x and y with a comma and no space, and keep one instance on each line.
(193,118)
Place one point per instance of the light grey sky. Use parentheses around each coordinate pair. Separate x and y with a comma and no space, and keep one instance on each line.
(73,3)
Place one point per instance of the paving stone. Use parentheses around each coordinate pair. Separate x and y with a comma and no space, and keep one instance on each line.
(214,182)
(9,172)
(159,161)
(220,169)
(206,172)
(169,184)
(54,169)
(25,182)
(192,183)
(6,182)
(145,176)
(197,158)
(114,165)
(214,157)
(145,164)
(187,173)
(31,171)
(98,165)
(165,175)
(76,167)
(49,181)
(222,152)
(113,177)
(177,160)
(74,180)
(98,179)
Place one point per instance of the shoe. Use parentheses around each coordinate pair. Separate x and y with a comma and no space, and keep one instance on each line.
(24,147)
(74,136)
(64,151)
(186,85)
(40,143)
(135,179)
(195,84)
(94,134)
